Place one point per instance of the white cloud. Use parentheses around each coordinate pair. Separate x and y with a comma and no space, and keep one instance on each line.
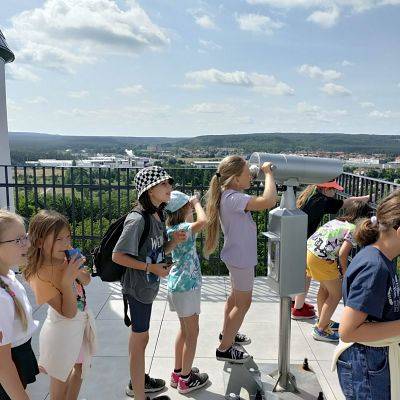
(209,45)
(346,63)
(211,108)
(37,100)
(313,71)
(384,114)
(133,89)
(335,90)
(267,84)
(367,104)
(192,86)
(326,12)
(63,34)
(326,18)
(18,72)
(205,21)
(79,94)
(319,114)
(258,23)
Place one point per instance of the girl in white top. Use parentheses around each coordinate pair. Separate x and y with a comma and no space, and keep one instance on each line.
(18,366)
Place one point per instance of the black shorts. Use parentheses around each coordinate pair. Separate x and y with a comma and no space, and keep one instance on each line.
(140,314)
(26,364)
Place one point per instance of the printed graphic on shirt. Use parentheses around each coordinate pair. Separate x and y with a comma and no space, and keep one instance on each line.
(325,243)
(155,256)
(185,274)
(393,294)
(80,296)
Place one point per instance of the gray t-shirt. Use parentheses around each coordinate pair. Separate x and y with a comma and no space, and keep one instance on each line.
(143,287)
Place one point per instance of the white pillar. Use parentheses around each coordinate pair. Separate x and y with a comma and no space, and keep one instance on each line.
(5,158)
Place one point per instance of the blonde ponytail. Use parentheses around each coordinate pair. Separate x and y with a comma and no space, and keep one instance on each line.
(228,169)
(305,195)
(19,309)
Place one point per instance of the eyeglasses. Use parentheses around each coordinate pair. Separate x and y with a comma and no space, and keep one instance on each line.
(19,241)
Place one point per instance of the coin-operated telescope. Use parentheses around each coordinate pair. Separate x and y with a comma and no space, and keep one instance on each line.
(287,238)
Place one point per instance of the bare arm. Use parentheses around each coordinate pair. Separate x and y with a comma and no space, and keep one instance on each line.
(344,253)
(353,327)
(201,218)
(84,277)
(177,237)
(269,197)
(347,202)
(128,261)
(9,377)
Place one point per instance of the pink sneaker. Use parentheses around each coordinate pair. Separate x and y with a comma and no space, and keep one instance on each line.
(193,382)
(176,375)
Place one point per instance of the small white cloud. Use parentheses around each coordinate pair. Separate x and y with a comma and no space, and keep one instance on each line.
(258,23)
(319,114)
(79,94)
(192,86)
(211,108)
(346,63)
(133,89)
(267,84)
(20,73)
(367,104)
(315,72)
(12,106)
(335,90)
(37,100)
(384,114)
(205,21)
(209,45)
(325,19)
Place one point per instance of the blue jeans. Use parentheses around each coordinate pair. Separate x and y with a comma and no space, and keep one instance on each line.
(363,373)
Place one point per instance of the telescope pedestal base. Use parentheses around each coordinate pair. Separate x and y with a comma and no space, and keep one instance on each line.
(260,385)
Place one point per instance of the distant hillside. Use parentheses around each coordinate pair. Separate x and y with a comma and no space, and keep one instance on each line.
(27,145)
(278,142)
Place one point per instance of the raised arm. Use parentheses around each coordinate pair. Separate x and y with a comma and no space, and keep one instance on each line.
(269,197)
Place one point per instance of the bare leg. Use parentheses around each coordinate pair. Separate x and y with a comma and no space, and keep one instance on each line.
(229,304)
(179,343)
(235,317)
(189,349)
(321,298)
(334,289)
(74,382)
(58,389)
(300,299)
(137,348)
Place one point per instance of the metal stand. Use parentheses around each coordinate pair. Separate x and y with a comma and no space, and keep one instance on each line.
(285,380)
(243,376)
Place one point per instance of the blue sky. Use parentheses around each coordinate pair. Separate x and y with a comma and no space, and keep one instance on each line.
(188,68)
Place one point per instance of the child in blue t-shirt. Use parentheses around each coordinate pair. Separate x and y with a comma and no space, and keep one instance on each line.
(370,324)
(184,288)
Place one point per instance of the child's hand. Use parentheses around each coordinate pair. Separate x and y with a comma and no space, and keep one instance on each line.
(266,167)
(71,272)
(179,237)
(194,200)
(161,270)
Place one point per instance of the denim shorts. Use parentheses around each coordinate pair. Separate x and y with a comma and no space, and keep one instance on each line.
(363,373)
(140,314)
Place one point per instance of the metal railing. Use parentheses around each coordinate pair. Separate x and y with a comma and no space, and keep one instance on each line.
(92,198)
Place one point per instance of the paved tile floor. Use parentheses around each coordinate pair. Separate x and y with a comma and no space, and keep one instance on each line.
(110,372)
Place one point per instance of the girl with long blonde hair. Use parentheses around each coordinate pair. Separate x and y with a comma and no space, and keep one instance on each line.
(18,365)
(227,206)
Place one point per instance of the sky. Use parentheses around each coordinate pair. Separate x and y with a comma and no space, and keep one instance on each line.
(188,68)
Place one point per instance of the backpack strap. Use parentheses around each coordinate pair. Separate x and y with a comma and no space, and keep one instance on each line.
(142,240)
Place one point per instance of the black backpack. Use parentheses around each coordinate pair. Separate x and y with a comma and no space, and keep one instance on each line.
(103,265)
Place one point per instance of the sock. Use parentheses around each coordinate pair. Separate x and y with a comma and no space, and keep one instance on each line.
(185,377)
(178,371)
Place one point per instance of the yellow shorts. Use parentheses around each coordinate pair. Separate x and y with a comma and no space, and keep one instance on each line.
(321,270)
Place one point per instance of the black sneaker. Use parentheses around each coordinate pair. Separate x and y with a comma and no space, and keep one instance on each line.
(151,385)
(193,382)
(240,338)
(159,398)
(233,355)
